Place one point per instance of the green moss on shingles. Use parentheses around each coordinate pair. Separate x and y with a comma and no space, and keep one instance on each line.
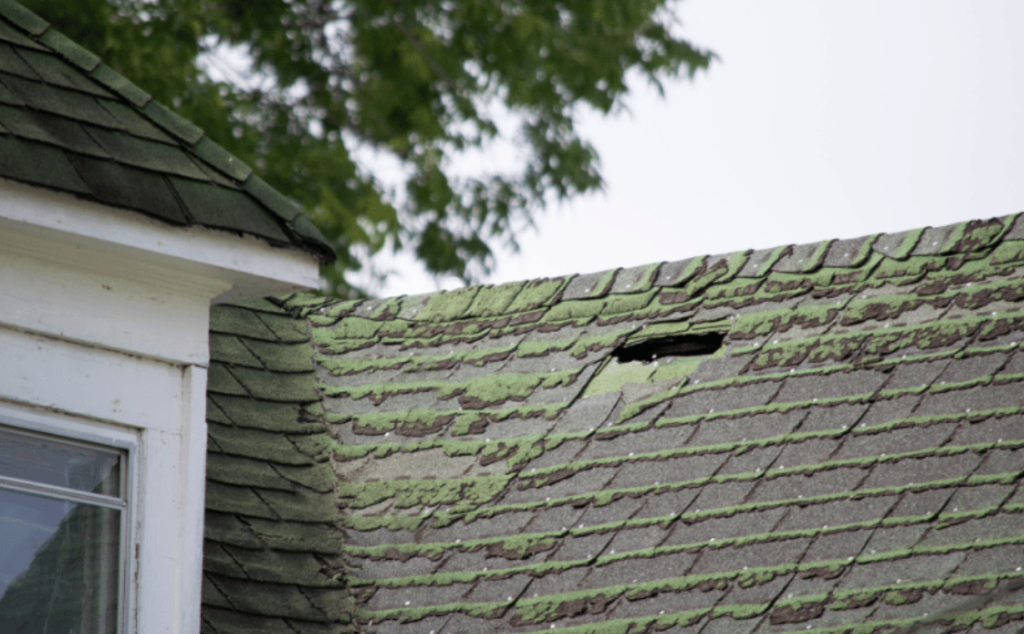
(882,341)
(330,314)
(832,565)
(412,615)
(613,375)
(595,343)
(750,325)
(937,418)
(915,266)
(542,348)
(939,388)
(635,409)
(910,240)
(485,355)
(469,576)
(494,300)
(723,292)
(604,284)
(236,500)
(478,393)
(416,419)
(388,309)
(779,282)
(722,271)
(397,329)
(537,294)
(516,546)
(448,305)
(737,447)
(627,303)
(343,366)
(347,328)
(389,522)
(462,493)
(574,309)
(844,599)
(976,235)
(317,446)
(466,420)
(545,609)
(765,267)
(491,390)
(607,494)
(740,611)
(817,258)
(1008,252)
(661,329)
(646,280)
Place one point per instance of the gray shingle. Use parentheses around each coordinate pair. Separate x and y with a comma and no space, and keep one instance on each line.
(752,489)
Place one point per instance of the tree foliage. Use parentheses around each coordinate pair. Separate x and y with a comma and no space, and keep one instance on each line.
(420,82)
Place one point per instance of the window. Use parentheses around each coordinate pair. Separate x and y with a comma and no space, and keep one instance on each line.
(63,529)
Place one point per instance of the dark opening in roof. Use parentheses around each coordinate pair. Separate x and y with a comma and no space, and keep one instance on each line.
(692,345)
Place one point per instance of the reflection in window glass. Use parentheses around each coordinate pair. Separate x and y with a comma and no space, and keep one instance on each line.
(76,467)
(60,564)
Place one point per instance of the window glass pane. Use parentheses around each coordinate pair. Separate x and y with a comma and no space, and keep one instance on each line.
(58,565)
(60,464)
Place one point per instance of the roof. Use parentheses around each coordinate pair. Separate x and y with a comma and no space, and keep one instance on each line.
(851,454)
(71,124)
(270,512)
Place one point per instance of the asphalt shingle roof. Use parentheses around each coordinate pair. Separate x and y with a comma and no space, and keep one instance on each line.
(849,460)
(271,531)
(70,123)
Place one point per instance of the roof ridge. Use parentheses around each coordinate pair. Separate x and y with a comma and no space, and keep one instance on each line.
(191,139)
(699,272)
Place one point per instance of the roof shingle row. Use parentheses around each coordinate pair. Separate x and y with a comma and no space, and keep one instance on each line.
(70,123)
(852,454)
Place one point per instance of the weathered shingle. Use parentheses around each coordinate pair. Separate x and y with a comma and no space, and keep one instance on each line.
(74,125)
(850,457)
(270,559)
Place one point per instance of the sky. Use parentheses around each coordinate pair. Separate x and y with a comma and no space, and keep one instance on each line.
(818,120)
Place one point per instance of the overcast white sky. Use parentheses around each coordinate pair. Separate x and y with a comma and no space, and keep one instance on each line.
(820,120)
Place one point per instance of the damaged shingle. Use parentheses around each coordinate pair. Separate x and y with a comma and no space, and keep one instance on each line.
(846,457)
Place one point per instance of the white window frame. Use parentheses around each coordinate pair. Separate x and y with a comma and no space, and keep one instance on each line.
(78,430)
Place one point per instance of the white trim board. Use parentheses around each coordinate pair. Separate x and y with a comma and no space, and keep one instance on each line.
(249,265)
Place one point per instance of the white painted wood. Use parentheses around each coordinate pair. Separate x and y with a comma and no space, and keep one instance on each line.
(194,440)
(79,303)
(89,382)
(104,318)
(251,266)
(162,584)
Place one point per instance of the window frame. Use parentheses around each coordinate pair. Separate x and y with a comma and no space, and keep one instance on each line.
(80,431)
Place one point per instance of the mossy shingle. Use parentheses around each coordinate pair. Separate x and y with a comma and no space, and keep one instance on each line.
(847,428)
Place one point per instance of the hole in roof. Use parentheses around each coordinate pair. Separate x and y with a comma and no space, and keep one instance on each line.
(691,345)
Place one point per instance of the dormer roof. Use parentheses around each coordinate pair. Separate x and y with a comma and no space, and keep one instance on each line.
(71,124)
